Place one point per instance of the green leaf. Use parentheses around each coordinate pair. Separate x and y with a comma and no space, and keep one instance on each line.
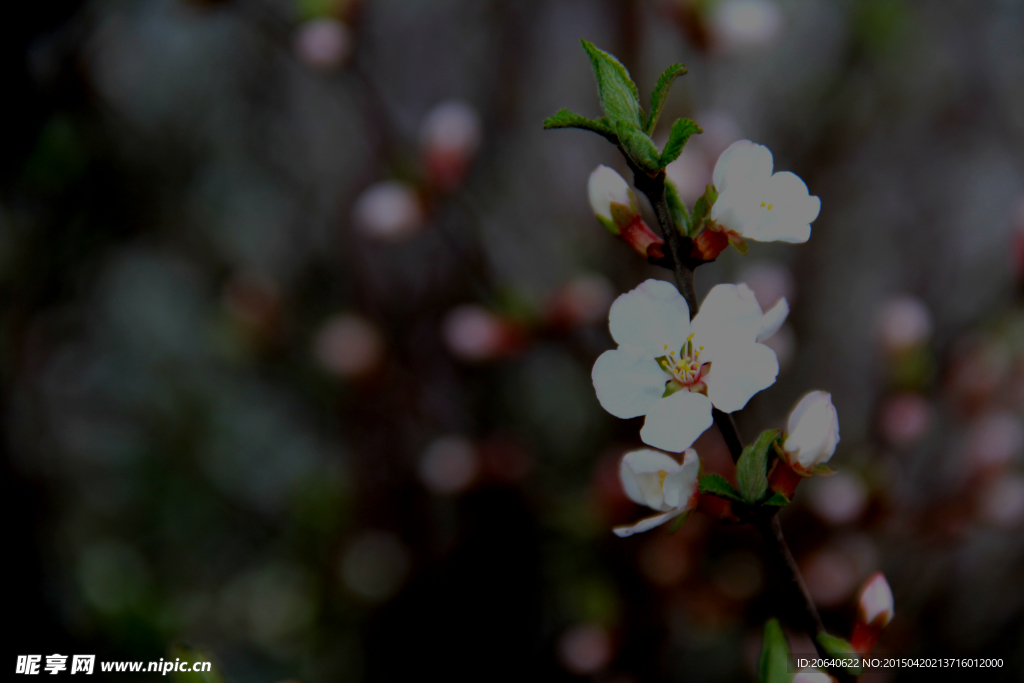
(676,207)
(701,210)
(774,666)
(839,648)
(660,94)
(682,129)
(638,146)
(752,467)
(717,485)
(777,500)
(619,98)
(565,118)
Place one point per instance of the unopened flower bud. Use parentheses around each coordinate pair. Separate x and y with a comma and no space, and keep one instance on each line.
(389,211)
(812,432)
(323,43)
(349,346)
(903,323)
(582,301)
(812,676)
(475,334)
(874,612)
(449,138)
(739,25)
(616,208)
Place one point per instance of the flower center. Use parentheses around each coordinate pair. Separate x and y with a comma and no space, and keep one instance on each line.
(661,476)
(685,368)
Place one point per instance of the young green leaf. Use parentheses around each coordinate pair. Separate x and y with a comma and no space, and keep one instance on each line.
(774,666)
(839,648)
(682,129)
(777,500)
(717,485)
(638,146)
(660,94)
(564,118)
(680,216)
(619,98)
(752,467)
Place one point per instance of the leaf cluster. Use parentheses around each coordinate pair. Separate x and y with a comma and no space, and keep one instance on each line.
(751,479)
(625,123)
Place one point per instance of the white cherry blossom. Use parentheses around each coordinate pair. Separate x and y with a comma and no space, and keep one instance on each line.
(656,480)
(812,432)
(756,204)
(673,370)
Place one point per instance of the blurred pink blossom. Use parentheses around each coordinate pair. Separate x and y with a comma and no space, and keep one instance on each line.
(323,43)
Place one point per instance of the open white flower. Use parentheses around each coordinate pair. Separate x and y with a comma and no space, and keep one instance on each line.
(812,432)
(673,370)
(656,480)
(756,204)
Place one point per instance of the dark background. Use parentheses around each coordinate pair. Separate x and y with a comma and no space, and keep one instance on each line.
(238,417)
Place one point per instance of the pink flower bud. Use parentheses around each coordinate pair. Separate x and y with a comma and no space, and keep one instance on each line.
(449,465)
(323,43)
(739,25)
(585,649)
(812,676)
(449,139)
(903,323)
(875,605)
(905,418)
(349,346)
(584,300)
(473,333)
(390,210)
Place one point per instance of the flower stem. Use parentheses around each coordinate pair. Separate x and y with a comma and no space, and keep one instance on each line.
(678,245)
(807,619)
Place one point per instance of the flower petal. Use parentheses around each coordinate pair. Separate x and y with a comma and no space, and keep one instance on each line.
(675,422)
(729,316)
(743,161)
(639,473)
(738,208)
(650,317)
(646,523)
(738,373)
(773,319)
(793,209)
(680,485)
(627,381)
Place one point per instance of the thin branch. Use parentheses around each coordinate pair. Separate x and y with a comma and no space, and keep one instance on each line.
(771,529)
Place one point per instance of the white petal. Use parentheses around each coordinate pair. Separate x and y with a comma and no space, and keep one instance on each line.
(650,317)
(738,208)
(628,381)
(773,319)
(813,430)
(739,374)
(639,473)
(793,209)
(604,187)
(729,316)
(675,422)
(646,523)
(682,484)
(742,161)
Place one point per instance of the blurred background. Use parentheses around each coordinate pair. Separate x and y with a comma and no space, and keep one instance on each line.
(301,302)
